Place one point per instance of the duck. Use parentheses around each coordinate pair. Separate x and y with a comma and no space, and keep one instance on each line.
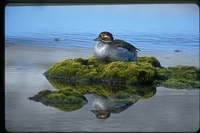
(114,49)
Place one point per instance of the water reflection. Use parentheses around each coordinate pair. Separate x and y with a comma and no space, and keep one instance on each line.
(105,99)
(104,106)
(63,100)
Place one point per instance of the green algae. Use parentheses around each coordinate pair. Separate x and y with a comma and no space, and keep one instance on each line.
(179,77)
(61,99)
(93,70)
(146,71)
(152,60)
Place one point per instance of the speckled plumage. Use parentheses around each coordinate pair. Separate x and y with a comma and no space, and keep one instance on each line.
(117,50)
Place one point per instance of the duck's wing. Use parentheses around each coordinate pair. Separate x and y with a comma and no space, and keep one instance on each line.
(123,44)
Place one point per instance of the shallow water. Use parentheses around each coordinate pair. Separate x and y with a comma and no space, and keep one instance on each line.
(167,110)
(32,47)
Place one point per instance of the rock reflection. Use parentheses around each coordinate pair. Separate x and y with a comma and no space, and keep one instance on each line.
(106,99)
(62,99)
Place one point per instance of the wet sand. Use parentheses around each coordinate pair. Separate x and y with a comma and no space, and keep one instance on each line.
(173,58)
(51,55)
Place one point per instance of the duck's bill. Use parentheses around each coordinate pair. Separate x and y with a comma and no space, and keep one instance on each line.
(97,39)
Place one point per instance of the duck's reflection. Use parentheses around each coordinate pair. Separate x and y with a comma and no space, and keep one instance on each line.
(103,106)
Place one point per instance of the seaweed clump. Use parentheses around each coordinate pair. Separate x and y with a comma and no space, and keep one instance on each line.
(61,99)
(117,72)
(179,77)
(146,71)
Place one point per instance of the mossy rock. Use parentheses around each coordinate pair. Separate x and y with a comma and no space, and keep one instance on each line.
(117,72)
(179,77)
(146,71)
(61,99)
(152,60)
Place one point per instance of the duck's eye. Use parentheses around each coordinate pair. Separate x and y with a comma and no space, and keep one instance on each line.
(105,37)
(102,35)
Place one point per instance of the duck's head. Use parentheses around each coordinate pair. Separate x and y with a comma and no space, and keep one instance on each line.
(101,114)
(105,37)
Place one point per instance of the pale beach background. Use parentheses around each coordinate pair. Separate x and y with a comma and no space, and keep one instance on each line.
(36,37)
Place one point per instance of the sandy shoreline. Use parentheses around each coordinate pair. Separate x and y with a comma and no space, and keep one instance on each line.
(173,58)
(51,55)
